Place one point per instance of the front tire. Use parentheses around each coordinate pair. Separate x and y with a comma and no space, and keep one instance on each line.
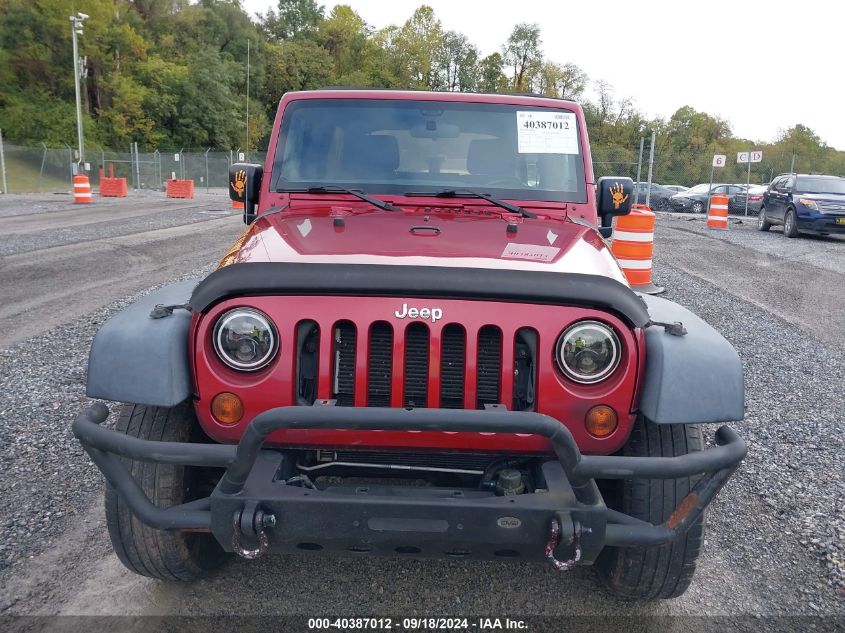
(790,224)
(658,571)
(763,223)
(161,554)
(698,207)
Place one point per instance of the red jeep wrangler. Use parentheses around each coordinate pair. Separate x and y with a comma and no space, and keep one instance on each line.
(420,345)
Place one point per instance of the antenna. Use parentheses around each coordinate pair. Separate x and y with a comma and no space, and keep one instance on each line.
(247,99)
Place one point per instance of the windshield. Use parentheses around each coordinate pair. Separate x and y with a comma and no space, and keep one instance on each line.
(821,185)
(698,189)
(398,146)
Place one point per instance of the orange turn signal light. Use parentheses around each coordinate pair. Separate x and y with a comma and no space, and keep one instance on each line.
(601,421)
(227,408)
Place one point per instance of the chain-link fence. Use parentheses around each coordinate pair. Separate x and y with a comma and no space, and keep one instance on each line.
(51,169)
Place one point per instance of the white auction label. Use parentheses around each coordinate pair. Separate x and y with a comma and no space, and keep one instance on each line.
(546,132)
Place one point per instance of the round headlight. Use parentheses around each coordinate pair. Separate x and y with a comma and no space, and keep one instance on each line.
(245,339)
(588,351)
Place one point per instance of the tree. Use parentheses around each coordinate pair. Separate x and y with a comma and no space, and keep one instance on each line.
(565,82)
(295,65)
(293,18)
(458,62)
(522,53)
(491,78)
(415,47)
(345,36)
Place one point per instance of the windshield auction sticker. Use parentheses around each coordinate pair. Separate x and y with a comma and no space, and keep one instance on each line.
(546,132)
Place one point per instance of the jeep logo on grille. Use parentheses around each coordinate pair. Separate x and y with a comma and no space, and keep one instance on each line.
(429,314)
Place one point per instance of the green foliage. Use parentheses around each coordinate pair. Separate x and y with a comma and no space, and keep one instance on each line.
(293,18)
(172,74)
(522,53)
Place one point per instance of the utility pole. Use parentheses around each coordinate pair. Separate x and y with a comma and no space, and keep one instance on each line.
(650,168)
(639,170)
(76,30)
(247,100)
(3,166)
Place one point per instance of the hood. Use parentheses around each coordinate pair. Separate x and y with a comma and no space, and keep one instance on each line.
(448,236)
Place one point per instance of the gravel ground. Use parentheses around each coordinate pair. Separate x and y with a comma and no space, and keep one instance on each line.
(774,539)
(172,213)
(47,479)
(787,501)
(825,252)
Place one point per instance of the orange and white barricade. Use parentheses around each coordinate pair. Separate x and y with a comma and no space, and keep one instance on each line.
(180,188)
(633,247)
(81,189)
(717,214)
(111,187)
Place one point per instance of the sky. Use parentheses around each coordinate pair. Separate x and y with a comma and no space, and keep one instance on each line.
(762,66)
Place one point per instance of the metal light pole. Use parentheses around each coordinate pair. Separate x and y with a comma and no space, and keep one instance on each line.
(650,168)
(639,170)
(76,29)
(247,100)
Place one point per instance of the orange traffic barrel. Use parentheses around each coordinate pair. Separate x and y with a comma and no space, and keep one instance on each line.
(633,247)
(717,215)
(81,189)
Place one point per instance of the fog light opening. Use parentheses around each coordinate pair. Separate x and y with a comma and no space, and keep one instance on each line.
(601,421)
(227,408)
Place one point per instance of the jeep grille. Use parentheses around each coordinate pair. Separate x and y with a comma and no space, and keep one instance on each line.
(453,356)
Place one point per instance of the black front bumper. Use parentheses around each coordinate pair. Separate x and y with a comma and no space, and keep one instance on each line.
(252,507)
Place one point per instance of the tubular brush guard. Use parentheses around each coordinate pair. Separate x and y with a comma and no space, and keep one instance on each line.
(252,506)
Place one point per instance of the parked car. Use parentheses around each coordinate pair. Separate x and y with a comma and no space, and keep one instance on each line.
(804,203)
(676,188)
(659,199)
(695,200)
(736,204)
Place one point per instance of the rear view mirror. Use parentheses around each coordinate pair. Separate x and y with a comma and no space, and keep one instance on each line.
(244,186)
(614,197)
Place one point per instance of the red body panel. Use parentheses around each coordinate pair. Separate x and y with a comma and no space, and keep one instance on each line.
(466,233)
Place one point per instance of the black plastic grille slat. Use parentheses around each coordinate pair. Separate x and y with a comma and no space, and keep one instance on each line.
(489,365)
(416,365)
(345,336)
(380,365)
(452,360)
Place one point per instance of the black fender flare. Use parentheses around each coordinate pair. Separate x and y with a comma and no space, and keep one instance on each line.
(136,358)
(691,379)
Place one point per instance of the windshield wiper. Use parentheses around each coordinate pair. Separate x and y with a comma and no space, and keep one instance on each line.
(326,189)
(468,193)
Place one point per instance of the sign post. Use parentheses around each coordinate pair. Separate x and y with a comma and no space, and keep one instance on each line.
(718,161)
(639,170)
(751,156)
(650,166)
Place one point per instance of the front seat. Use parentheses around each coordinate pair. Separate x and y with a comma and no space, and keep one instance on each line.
(492,160)
(370,157)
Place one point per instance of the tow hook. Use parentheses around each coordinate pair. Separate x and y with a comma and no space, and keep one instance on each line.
(554,541)
(250,521)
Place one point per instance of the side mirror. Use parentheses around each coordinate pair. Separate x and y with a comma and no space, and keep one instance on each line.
(614,197)
(244,186)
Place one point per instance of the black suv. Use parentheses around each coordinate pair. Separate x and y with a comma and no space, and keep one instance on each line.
(804,203)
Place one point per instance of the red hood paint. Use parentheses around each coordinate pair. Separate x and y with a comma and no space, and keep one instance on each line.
(474,236)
